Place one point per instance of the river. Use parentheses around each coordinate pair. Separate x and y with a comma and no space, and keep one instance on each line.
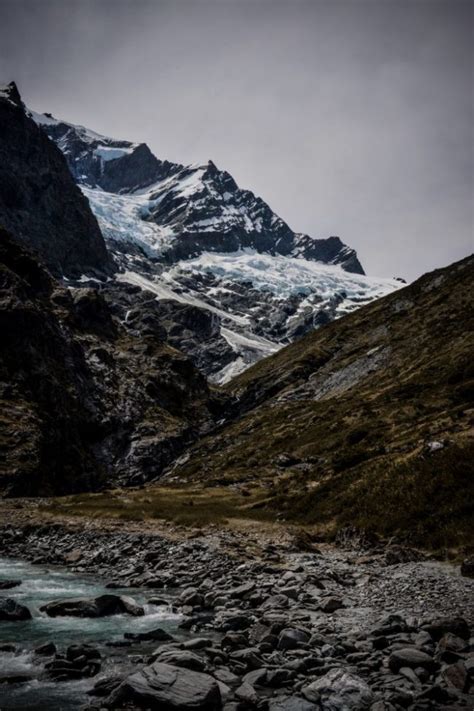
(41,584)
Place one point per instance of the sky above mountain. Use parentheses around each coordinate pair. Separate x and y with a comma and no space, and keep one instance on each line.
(348,117)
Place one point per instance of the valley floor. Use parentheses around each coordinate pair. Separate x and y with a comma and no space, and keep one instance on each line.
(278,622)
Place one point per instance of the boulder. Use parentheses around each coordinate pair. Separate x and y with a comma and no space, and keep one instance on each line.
(82,651)
(9,584)
(455,676)
(182,658)
(246,693)
(157,635)
(450,647)
(105,686)
(278,601)
(338,689)
(242,591)
(12,611)
(292,638)
(410,657)
(467,567)
(191,597)
(101,606)
(331,604)
(80,662)
(439,627)
(73,556)
(14,678)
(47,649)
(168,688)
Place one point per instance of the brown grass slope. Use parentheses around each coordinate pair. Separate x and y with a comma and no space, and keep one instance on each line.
(340,427)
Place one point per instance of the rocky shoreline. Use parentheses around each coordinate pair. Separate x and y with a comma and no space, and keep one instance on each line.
(271,626)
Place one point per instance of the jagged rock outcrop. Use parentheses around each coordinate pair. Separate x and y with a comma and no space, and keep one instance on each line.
(40,204)
(98,161)
(85,402)
(195,332)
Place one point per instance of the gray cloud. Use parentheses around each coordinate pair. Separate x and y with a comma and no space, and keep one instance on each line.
(349,117)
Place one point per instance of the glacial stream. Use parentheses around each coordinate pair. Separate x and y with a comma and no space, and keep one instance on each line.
(42,584)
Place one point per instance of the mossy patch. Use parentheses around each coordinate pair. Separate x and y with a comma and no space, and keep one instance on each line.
(188,506)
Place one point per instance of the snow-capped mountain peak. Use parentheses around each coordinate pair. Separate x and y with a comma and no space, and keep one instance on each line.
(191,236)
(90,156)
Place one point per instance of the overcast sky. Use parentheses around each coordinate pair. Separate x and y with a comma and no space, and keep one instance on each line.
(350,118)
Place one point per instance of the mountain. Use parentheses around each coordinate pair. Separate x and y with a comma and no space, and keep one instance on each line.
(366,422)
(193,238)
(84,401)
(196,208)
(39,200)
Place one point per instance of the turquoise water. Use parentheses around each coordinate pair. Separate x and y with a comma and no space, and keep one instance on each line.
(41,584)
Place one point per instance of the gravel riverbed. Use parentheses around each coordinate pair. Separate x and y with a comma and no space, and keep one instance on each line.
(258,623)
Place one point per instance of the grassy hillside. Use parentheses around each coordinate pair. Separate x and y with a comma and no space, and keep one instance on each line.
(367,421)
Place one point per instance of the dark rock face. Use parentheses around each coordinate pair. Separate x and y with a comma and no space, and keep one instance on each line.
(81,661)
(195,332)
(39,202)
(12,611)
(169,688)
(133,166)
(83,400)
(101,606)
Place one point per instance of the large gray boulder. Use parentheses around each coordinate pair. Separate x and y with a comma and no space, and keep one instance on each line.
(337,690)
(410,657)
(12,611)
(168,688)
(101,606)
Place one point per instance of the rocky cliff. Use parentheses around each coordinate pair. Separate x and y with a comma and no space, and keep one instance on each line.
(84,401)
(40,204)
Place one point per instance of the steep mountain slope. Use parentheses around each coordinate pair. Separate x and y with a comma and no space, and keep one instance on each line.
(190,234)
(367,421)
(85,401)
(39,201)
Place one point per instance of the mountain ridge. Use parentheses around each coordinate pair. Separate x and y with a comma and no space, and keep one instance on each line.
(194,235)
(97,161)
(368,421)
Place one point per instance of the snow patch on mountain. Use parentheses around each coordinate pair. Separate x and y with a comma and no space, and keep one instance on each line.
(86,134)
(107,153)
(162,290)
(286,276)
(122,219)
